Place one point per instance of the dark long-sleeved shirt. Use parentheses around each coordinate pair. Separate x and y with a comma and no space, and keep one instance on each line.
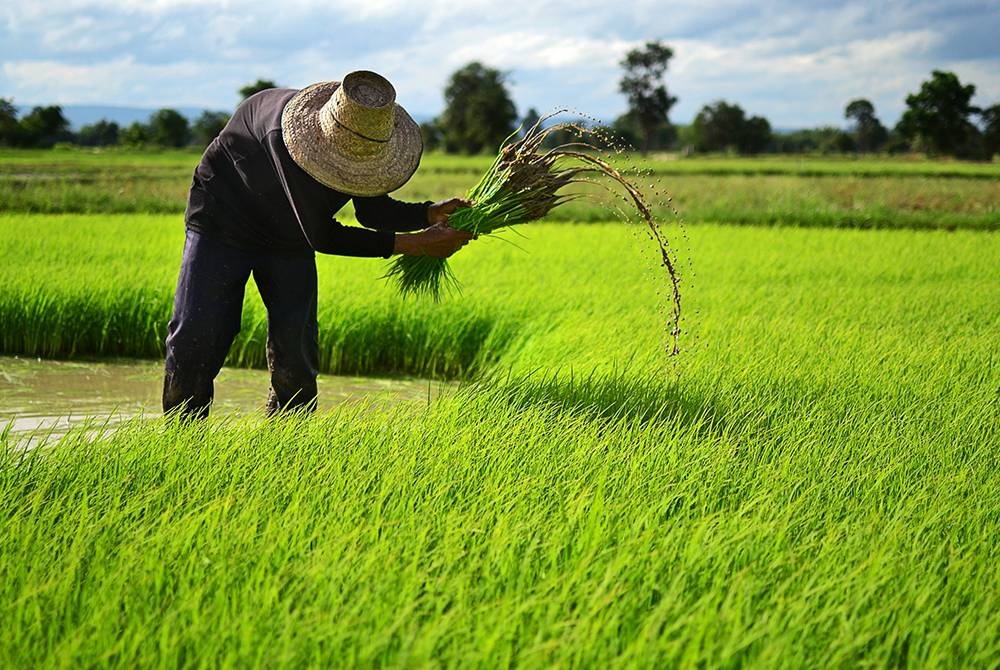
(249,192)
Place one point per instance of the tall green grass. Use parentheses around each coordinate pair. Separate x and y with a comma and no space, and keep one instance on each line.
(103,286)
(558,296)
(536,524)
(535,537)
(813,483)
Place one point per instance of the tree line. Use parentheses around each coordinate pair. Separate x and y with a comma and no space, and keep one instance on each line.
(939,120)
(44,127)
(479,114)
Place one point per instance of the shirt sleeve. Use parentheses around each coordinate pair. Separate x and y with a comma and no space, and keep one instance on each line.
(313,206)
(384,213)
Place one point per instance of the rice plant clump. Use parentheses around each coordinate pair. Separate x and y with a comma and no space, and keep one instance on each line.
(524,183)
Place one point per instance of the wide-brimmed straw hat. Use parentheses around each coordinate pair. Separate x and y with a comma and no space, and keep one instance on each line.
(351,135)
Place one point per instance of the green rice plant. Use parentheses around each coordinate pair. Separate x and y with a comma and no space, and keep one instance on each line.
(806,191)
(585,296)
(61,296)
(531,523)
(521,185)
(816,486)
(524,184)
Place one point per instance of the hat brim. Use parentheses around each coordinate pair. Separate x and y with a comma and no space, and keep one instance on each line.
(326,160)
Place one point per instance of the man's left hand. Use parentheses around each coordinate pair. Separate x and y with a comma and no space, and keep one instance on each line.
(439,211)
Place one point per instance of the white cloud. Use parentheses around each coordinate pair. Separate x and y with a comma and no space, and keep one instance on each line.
(122,79)
(539,50)
(796,63)
(791,86)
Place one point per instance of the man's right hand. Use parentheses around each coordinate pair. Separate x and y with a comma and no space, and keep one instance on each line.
(439,241)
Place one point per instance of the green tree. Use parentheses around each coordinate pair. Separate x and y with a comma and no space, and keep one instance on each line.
(724,127)
(101,134)
(207,127)
(686,138)
(897,144)
(567,135)
(8,123)
(991,131)
(169,128)
(430,133)
(479,114)
(937,118)
(256,87)
(531,118)
(757,135)
(807,140)
(628,131)
(869,133)
(839,143)
(648,101)
(135,135)
(43,127)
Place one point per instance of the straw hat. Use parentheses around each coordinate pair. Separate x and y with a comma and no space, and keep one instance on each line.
(351,135)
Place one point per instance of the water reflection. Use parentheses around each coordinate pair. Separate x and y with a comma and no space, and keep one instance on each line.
(52,396)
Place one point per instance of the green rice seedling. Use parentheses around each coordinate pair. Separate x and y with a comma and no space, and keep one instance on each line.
(817,489)
(524,184)
(520,186)
(610,521)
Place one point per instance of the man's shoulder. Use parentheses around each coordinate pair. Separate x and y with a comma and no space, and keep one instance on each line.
(269,95)
(263,109)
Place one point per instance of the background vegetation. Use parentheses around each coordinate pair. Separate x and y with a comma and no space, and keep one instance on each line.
(862,193)
(940,120)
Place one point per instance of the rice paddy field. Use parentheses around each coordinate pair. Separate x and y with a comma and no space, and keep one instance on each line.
(813,482)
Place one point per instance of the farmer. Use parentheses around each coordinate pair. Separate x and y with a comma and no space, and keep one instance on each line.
(262,203)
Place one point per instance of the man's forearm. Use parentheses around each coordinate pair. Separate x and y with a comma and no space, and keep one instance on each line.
(407,244)
(385,213)
(438,241)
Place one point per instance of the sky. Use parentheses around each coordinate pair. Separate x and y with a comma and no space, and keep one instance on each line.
(797,63)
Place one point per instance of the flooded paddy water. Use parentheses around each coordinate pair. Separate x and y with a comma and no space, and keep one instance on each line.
(42,399)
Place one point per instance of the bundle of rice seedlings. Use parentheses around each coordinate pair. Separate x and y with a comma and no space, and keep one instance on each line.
(523,184)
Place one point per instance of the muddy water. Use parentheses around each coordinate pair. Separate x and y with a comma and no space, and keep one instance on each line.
(49,397)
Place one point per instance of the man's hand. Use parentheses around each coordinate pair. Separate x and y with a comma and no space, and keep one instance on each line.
(439,211)
(438,241)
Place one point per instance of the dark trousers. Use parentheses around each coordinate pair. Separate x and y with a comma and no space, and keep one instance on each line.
(208,307)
